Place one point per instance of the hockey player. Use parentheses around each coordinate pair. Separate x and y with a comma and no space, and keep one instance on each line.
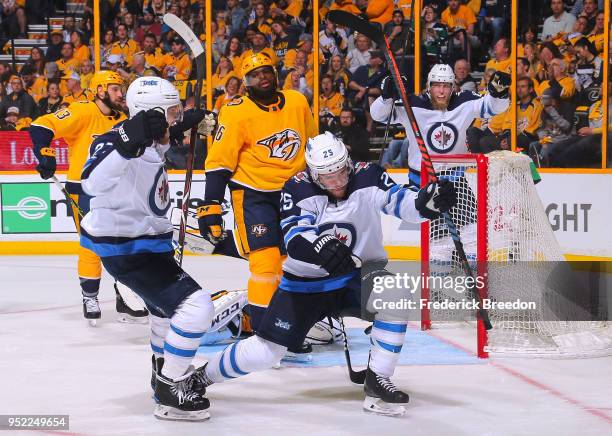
(442,115)
(128,228)
(331,213)
(259,144)
(79,124)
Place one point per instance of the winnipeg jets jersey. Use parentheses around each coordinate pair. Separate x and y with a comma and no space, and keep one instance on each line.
(129,200)
(307,212)
(444,132)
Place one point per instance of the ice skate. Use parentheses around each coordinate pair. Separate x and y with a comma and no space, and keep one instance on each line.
(128,315)
(382,397)
(91,310)
(178,401)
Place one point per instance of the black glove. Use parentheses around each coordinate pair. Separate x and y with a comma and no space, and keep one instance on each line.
(335,256)
(46,162)
(138,132)
(210,221)
(191,117)
(499,84)
(388,88)
(435,199)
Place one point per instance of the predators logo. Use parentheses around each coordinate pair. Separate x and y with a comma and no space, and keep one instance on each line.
(282,145)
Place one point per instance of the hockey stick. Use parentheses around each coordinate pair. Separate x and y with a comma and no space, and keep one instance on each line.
(357,377)
(363,26)
(67,195)
(176,24)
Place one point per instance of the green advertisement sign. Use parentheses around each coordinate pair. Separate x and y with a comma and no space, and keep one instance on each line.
(26,208)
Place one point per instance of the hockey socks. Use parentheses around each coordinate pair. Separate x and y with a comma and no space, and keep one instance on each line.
(243,357)
(387,339)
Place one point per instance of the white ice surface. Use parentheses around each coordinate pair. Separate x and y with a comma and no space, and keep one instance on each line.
(51,362)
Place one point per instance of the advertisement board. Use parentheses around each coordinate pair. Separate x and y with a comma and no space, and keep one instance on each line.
(17,154)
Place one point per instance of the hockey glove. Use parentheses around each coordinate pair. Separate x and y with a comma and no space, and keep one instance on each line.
(499,85)
(434,199)
(388,88)
(335,256)
(140,131)
(46,162)
(210,221)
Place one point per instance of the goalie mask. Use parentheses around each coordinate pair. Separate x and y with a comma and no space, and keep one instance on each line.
(328,161)
(155,93)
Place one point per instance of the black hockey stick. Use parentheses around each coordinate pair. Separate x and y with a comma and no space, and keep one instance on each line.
(364,27)
(176,24)
(357,377)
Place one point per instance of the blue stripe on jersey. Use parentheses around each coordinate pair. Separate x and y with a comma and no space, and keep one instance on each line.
(387,326)
(324,285)
(185,334)
(179,351)
(156,349)
(233,360)
(297,218)
(398,203)
(295,230)
(130,247)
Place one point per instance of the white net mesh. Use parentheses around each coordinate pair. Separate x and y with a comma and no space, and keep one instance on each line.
(521,251)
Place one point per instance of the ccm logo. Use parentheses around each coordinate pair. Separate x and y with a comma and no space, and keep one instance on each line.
(231,311)
(259,229)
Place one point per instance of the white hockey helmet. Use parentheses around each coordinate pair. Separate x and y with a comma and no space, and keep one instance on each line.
(440,73)
(149,92)
(326,154)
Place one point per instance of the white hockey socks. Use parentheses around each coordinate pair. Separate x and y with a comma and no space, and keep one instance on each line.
(387,339)
(243,357)
(159,330)
(189,322)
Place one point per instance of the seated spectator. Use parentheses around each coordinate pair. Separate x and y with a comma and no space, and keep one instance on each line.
(522,67)
(68,27)
(54,46)
(37,61)
(152,53)
(261,18)
(67,62)
(360,55)
(332,40)
(124,45)
(501,60)
(460,20)
(232,91)
(27,77)
(86,72)
(435,37)
(353,135)
(532,57)
(548,52)
(81,50)
(233,51)
(596,36)
(528,114)
(557,72)
(14,22)
(330,101)
(589,11)
(108,39)
(397,32)
(589,71)
(138,69)
(296,80)
(282,41)
(219,41)
(75,92)
(463,79)
(13,121)
(225,70)
(260,45)
(556,126)
(20,99)
(529,36)
(339,73)
(114,62)
(176,65)
(38,89)
(560,22)
(147,25)
(365,84)
(50,103)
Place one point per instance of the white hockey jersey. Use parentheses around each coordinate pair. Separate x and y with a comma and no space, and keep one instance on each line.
(444,132)
(129,200)
(307,212)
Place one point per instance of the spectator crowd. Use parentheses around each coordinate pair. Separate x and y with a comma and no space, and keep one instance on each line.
(559,71)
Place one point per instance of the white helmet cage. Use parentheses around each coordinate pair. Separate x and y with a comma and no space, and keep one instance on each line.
(147,93)
(326,154)
(440,73)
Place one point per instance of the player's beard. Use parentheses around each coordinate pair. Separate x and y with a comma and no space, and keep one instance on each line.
(117,107)
(439,105)
(265,96)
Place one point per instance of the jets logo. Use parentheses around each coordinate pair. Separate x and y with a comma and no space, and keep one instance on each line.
(282,145)
(159,198)
(442,137)
(344,232)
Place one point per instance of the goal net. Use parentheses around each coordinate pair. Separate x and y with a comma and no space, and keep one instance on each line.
(517,262)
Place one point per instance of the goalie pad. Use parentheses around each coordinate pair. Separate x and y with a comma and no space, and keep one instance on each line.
(227,321)
(194,242)
(325,332)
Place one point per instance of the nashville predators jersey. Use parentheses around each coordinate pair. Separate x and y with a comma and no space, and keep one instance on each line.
(262,146)
(79,124)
